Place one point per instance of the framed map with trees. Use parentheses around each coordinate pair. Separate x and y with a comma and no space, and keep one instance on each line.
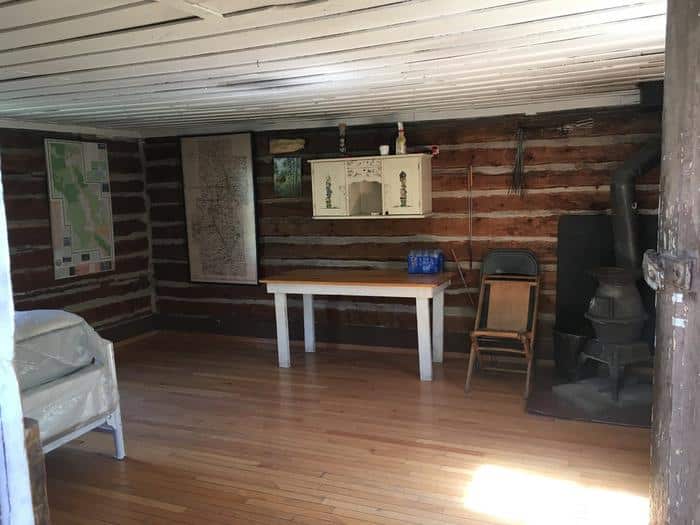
(217,176)
(80,205)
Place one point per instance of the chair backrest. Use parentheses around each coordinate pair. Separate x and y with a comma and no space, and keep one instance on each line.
(507,303)
(509,262)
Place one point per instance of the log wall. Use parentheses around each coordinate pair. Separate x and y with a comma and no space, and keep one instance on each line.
(569,158)
(107,300)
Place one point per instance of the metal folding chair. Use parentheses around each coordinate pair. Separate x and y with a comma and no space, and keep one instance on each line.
(506,317)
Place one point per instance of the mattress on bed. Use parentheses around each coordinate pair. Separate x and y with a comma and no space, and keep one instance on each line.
(72,401)
(65,370)
(51,344)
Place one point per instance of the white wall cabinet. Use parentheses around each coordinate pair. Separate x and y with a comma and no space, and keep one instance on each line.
(397,186)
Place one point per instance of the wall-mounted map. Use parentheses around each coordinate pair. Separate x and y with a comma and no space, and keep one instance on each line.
(220,208)
(82,233)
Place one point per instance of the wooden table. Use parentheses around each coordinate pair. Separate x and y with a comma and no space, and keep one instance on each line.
(370,283)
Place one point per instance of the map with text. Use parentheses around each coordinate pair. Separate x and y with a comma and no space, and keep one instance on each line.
(82,234)
(220,208)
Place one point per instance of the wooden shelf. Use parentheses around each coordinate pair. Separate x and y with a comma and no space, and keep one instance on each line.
(371,157)
(345,217)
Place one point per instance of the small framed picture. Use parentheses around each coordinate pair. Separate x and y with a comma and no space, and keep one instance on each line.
(286,174)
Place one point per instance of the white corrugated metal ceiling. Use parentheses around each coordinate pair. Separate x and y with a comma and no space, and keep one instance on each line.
(181,66)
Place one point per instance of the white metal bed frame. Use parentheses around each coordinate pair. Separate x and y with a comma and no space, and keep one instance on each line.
(112,424)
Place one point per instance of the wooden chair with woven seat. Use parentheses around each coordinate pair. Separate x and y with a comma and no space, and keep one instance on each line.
(506,319)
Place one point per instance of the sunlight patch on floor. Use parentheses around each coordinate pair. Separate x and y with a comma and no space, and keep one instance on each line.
(518,497)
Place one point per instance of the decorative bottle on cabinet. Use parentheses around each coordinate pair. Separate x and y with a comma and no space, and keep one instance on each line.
(400,140)
(342,144)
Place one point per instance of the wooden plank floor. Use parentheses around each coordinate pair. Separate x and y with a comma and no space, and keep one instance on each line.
(217,434)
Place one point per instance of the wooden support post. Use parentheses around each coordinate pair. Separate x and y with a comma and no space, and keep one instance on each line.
(37,472)
(675,457)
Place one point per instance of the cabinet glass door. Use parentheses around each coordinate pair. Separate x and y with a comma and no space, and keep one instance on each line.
(330,190)
(401,186)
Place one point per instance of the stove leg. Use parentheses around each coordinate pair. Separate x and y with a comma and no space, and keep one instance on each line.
(617,376)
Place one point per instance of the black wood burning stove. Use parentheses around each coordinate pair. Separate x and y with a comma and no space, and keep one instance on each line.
(616,311)
(617,315)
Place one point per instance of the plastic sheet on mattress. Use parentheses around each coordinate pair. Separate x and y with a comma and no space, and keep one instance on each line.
(50,344)
(71,402)
(72,369)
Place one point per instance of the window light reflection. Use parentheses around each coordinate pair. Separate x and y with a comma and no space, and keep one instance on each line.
(518,497)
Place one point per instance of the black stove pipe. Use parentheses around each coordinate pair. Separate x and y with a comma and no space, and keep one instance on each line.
(624,218)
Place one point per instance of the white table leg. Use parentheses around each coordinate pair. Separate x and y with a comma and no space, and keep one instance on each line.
(423,319)
(282,330)
(309,333)
(438,325)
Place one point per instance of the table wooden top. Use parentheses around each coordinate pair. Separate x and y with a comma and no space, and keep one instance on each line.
(391,278)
